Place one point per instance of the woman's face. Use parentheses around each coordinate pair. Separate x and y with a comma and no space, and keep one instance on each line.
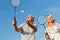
(50,19)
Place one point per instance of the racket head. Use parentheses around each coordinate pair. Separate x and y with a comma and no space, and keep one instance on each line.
(15,2)
(41,19)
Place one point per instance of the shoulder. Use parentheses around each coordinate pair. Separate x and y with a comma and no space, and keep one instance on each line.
(21,25)
(47,28)
(58,25)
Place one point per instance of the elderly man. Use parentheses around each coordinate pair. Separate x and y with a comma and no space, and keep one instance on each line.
(27,29)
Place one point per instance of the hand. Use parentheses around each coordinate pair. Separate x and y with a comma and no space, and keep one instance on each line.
(14,22)
(47,36)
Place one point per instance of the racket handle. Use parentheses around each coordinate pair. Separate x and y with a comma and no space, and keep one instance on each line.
(14,18)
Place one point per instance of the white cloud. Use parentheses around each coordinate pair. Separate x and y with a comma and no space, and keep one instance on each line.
(22,11)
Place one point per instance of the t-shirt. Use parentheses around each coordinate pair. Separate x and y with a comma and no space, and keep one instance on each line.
(52,31)
(27,33)
(57,35)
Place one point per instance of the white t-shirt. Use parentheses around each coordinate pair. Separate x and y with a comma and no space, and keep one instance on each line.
(57,35)
(27,33)
(52,31)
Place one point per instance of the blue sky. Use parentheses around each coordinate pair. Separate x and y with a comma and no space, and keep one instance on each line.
(34,7)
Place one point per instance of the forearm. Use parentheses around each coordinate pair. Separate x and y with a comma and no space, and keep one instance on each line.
(33,27)
(16,28)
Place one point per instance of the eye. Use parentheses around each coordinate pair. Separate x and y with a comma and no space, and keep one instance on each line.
(28,17)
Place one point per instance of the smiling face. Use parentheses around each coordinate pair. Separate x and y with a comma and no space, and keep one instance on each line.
(50,19)
(30,18)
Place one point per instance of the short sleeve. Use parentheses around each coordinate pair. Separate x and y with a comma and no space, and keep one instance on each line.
(21,25)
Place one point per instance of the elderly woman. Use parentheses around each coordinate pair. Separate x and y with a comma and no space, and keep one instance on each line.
(52,28)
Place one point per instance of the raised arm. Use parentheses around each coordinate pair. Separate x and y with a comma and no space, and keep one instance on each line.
(14,22)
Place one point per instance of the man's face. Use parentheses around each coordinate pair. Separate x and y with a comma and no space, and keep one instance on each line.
(30,19)
(50,19)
